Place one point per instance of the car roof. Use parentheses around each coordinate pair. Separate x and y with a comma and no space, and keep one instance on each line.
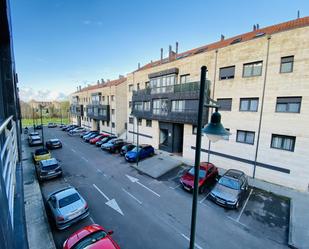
(34,133)
(61,193)
(144,145)
(48,162)
(36,137)
(206,165)
(234,173)
(54,139)
(41,150)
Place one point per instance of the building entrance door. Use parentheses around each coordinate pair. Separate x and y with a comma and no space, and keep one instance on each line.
(171,137)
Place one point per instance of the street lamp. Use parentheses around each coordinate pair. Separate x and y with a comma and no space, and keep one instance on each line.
(214,131)
(41,108)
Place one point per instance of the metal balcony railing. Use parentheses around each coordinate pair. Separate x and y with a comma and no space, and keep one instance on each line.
(8,160)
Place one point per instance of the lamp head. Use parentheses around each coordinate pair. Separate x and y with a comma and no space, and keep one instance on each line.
(215,130)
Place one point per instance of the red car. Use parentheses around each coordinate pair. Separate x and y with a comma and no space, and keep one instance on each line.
(97,138)
(208,174)
(91,237)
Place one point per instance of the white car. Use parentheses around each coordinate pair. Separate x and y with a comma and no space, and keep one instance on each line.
(76,131)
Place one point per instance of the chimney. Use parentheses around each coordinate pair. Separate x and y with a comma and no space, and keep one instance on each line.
(222,37)
(161,57)
(298,14)
(176,47)
(121,76)
(108,80)
(80,88)
(139,65)
(257,26)
(77,88)
(102,81)
(98,82)
(169,50)
(254,27)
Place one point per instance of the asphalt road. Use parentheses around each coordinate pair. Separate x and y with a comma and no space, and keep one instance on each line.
(146,213)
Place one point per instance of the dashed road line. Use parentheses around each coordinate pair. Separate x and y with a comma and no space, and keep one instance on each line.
(243,208)
(100,171)
(73,150)
(92,220)
(85,159)
(132,196)
(188,239)
(175,187)
(205,197)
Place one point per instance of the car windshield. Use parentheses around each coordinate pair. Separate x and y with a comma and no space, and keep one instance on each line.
(202,172)
(89,240)
(104,139)
(55,141)
(40,152)
(135,149)
(68,200)
(229,182)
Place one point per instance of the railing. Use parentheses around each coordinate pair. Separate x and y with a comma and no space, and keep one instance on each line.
(8,160)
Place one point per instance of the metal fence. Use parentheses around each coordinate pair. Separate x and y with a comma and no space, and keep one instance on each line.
(8,160)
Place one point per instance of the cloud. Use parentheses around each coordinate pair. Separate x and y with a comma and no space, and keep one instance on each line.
(27,93)
(87,22)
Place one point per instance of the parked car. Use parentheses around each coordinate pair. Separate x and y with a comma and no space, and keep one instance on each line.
(143,151)
(39,127)
(67,206)
(61,125)
(230,189)
(40,154)
(48,168)
(113,145)
(52,125)
(89,134)
(35,141)
(126,148)
(105,140)
(76,131)
(65,127)
(207,176)
(32,134)
(68,127)
(86,132)
(92,236)
(97,138)
(54,143)
(88,137)
(71,128)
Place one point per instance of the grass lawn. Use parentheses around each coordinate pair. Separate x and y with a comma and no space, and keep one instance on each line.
(29,122)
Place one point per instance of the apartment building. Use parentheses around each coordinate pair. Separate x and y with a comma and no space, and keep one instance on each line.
(261,81)
(101,107)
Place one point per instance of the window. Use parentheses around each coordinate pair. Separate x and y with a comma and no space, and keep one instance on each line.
(178,106)
(163,84)
(148,123)
(225,104)
(131,120)
(246,137)
(184,78)
(286,65)
(138,106)
(253,69)
(113,125)
(194,129)
(102,112)
(113,98)
(227,73)
(288,104)
(103,99)
(130,88)
(249,105)
(113,111)
(282,142)
(160,107)
(227,137)
(139,122)
(130,104)
(147,84)
(103,123)
(137,87)
(107,123)
(146,106)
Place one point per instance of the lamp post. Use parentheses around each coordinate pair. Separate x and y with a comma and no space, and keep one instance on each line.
(214,131)
(137,143)
(41,109)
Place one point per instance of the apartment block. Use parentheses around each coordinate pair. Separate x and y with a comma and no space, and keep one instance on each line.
(261,81)
(102,106)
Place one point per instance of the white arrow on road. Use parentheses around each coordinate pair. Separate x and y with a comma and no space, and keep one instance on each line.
(110,202)
(135,180)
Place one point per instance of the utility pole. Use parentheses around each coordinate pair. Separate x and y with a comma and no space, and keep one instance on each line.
(137,142)
(41,107)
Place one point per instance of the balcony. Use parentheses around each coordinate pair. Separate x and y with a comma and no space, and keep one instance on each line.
(98,112)
(189,92)
(77,109)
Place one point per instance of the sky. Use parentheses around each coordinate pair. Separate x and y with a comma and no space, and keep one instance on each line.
(60,44)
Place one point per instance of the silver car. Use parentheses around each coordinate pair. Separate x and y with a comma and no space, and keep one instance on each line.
(47,169)
(67,206)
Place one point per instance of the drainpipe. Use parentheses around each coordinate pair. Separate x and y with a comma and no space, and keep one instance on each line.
(262,107)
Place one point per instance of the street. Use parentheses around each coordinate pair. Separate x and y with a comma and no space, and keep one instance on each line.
(149,213)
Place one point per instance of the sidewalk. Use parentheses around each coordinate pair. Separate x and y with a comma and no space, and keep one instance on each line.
(38,230)
(299,201)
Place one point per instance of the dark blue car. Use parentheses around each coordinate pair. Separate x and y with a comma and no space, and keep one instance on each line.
(142,152)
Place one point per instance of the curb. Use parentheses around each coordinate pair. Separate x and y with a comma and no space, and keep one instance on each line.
(290,239)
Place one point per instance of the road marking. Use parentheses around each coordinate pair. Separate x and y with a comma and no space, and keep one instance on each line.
(175,187)
(65,179)
(110,202)
(100,171)
(132,196)
(205,197)
(135,180)
(85,159)
(105,196)
(243,208)
(92,220)
(237,222)
(73,150)
(188,239)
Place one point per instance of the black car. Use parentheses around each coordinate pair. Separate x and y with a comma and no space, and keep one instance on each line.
(39,127)
(54,143)
(126,148)
(47,169)
(230,190)
(71,127)
(116,146)
(104,140)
